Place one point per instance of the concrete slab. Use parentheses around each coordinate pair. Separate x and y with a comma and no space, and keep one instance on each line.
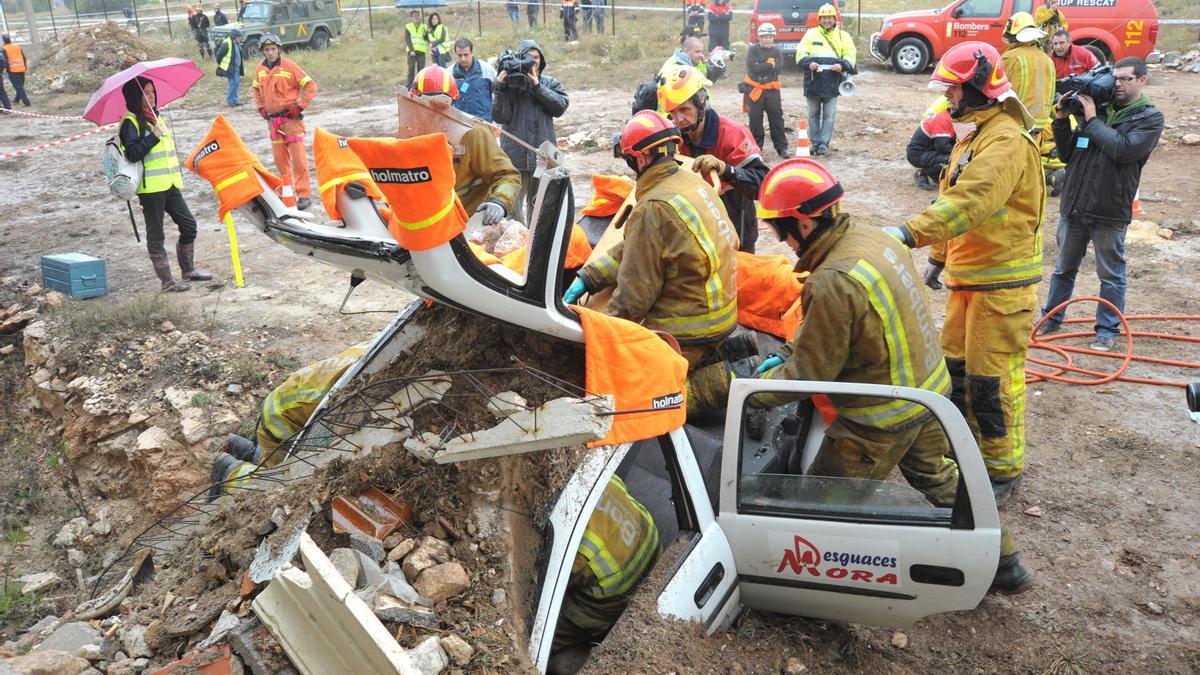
(560,423)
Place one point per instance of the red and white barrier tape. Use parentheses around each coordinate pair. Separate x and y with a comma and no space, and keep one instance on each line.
(38,115)
(51,144)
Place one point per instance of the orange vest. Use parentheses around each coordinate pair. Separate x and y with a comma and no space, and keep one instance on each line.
(609,193)
(337,164)
(768,294)
(643,374)
(15,56)
(222,159)
(416,176)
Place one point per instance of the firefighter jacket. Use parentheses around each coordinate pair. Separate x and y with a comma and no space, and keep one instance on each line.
(1031,74)
(619,545)
(288,406)
(1104,158)
(676,270)
(1078,60)
(484,172)
(989,209)
(1050,20)
(279,86)
(866,320)
(825,48)
(731,142)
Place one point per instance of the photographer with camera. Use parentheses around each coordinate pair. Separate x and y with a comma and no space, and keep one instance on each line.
(1104,155)
(525,104)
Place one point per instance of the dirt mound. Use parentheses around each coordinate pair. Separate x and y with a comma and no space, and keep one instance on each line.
(86,56)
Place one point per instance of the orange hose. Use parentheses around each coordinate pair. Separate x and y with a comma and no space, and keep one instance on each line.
(1068,365)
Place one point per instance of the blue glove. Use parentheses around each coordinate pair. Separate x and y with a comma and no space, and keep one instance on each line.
(573,293)
(772,361)
(901,234)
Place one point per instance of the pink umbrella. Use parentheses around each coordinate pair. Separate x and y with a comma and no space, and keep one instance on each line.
(172,77)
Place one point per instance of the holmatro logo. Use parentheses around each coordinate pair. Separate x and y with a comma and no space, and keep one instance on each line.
(417,174)
(206,151)
(668,401)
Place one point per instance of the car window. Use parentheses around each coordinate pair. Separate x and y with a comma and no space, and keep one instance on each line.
(980,8)
(789,5)
(279,14)
(300,11)
(1022,6)
(790,465)
(256,11)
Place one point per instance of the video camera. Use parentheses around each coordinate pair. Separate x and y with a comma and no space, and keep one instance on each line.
(518,66)
(1097,83)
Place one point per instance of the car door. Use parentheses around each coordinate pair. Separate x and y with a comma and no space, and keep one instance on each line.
(280,17)
(865,551)
(981,20)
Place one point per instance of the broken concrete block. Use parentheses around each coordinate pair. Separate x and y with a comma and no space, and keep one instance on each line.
(429,552)
(457,649)
(156,439)
(224,625)
(402,549)
(347,564)
(507,403)
(429,388)
(52,662)
(133,639)
(36,583)
(70,637)
(444,581)
(241,639)
(322,626)
(70,532)
(392,609)
(368,545)
(90,652)
(371,574)
(428,656)
(424,447)
(559,423)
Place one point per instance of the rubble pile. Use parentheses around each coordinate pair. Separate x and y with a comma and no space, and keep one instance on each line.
(1185,62)
(84,57)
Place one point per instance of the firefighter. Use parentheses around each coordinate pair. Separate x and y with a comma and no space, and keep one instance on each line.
(282,92)
(1029,69)
(761,89)
(1049,17)
(676,270)
(930,145)
(619,548)
(827,55)
(485,180)
(721,146)
(986,228)
(284,412)
(866,319)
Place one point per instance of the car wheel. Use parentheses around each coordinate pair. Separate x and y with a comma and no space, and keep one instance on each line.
(319,41)
(1099,53)
(910,55)
(250,49)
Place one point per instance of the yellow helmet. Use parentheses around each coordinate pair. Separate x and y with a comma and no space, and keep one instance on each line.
(680,85)
(827,10)
(1022,28)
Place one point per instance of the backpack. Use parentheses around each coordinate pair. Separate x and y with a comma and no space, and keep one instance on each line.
(123,176)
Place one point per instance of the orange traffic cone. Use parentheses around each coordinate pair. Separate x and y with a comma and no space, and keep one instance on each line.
(1137,205)
(802,143)
(288,195)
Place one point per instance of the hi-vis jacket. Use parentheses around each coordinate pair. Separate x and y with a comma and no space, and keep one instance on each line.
(160,163)
(1031,73)
(990,207)
(484,172)
(289,405)
(619,545)
(825,48)
(867,320)
(676,270)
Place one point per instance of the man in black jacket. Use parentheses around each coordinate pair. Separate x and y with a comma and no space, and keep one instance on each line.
(525,106)
(761,89)
(1104,156)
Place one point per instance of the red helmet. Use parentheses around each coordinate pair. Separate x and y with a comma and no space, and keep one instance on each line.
(974,63)
(434,80)
(646,130)
(798,187)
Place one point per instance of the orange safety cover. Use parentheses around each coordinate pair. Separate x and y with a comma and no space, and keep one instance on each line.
(639,370)
(768,294)
(579,249)
(610,192)
(337,165)
(223,159)
(416,176)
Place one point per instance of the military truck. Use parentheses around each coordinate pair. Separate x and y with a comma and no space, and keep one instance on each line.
(311,23)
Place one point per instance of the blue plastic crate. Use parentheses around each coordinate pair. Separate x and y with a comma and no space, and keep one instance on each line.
(76,274)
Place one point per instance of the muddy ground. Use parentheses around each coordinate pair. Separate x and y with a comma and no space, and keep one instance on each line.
(1110,467)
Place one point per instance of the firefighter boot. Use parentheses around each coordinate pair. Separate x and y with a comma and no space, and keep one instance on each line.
(162,269)
(222,464)
(187,266)
(708,391)
(740,345)
(1002,488)
(1011,575)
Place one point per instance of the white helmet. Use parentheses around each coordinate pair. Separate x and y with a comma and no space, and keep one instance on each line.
(766,29)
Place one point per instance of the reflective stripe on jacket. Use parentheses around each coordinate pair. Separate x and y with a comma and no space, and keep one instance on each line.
(227,49)
(866,319)
(288,407)
(990,208)
(280,87)
(160,167)
(676,270)
(619,545)
(437,36)
(1031,74)
(825,48)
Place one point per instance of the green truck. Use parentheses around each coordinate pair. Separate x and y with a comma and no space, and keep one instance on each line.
(296,22)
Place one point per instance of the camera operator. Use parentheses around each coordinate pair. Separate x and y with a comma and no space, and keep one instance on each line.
(526,103)
(1104,155)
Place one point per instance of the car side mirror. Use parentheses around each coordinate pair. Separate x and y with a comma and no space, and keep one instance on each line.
(958,11)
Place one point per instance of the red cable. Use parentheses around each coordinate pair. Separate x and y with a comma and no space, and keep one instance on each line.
(1043,342)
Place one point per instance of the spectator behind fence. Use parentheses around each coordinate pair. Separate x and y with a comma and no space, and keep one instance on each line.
(514,12)
(1104,155)
(15,56)
(526,105)
(475,79)
(531,11)
(439,40)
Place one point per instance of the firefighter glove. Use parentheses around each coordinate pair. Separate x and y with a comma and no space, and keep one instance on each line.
(577,289)
(492,212)
(772,361)
(263,112)
(706,164)
(901,234)
(933,270)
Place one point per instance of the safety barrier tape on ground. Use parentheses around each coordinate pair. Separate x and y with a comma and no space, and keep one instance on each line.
(51,144)
(22,113)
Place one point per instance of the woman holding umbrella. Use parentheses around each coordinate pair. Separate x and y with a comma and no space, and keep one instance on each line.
(145,138)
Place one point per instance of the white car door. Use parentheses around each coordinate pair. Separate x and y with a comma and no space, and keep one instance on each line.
(873,552)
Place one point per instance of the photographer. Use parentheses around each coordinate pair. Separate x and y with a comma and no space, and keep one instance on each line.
(1104,155)
(526,103)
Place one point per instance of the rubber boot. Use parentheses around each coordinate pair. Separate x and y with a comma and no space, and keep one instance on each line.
(162,269)
(1011,575)
(187,267)
(222,464)
(242,448)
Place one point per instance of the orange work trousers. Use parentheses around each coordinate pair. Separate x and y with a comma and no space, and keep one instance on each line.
(291,158)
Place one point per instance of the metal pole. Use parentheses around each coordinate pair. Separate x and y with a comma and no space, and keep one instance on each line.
(613,8)
(543,12)
(370,20)
(479,16)
(104,5)
(76,3)
(858,31)
(136,21)
(167,14)
(53,25)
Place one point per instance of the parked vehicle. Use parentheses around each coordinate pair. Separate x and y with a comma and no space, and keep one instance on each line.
(791,19)
(311,23)
(1114,29)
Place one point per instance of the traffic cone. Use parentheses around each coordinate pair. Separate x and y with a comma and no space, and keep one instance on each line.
(288,195)
(1137,205)
(802,144)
